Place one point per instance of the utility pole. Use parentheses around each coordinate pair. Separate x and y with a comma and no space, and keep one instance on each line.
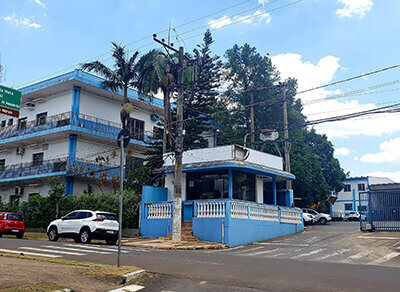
(252,126)
(121,189)
(177,209)
(177,214)
(286,136)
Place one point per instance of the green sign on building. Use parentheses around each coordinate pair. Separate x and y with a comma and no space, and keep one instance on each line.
(10,101)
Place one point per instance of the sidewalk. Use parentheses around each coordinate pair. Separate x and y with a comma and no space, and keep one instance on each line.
(163,243)
(20,274)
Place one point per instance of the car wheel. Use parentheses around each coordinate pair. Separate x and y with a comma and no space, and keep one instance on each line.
(53,234)
(85,236)
(20,235)
(1,234)
(111,241)
(322,221)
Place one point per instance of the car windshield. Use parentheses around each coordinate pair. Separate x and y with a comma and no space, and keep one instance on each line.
(107,216)
(15,217)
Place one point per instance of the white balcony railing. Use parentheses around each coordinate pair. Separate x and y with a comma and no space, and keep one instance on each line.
(264,213)
(239,210)
(159,211)
(210,209)
(291,216)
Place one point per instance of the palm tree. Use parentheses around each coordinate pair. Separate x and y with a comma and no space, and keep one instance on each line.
(155,72)
(124,75)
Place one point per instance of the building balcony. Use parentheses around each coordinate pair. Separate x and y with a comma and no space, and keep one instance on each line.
(69,121)
(55,167)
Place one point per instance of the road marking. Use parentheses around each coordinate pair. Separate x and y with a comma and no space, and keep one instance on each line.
(263,252)
(377,237)
(94,247)
(309,253)
(30,253)
(385,258)
(282,243)
(335,253)
(76,249)
(357,256)
(247,250)
(52,251)
(130,288)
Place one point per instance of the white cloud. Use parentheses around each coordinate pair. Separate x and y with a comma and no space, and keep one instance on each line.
(395,175)
(38,2)
(354,7)
(255,18)
(342,151)
(24,21)
(389,152)
(311,75)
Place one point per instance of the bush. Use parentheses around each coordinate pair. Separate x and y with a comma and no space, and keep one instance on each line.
(39,211)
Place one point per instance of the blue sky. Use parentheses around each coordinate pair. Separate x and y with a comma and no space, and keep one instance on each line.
(316,41)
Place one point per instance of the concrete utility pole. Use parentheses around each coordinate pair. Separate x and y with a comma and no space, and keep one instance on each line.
(121,186)
(252,125)
(177,214)
(286,136)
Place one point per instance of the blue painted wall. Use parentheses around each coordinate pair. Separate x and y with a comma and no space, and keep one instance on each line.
(153,194)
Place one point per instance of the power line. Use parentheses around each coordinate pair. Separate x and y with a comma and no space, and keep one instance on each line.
(349,79)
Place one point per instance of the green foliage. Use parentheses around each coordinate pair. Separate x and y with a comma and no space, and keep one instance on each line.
(39,211)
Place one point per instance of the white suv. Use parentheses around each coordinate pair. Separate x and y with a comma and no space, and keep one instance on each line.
(85,225)
(321,218)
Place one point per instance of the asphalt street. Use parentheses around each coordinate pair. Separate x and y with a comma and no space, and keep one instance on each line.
(301,264)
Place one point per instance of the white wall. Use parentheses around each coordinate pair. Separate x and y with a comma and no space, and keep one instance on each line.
(259,189)
(169,184)
(42,189)
(89,150)
(56,149)
(54,104)
(108,109)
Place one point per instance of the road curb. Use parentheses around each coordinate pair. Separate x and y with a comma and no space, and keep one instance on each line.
(132,275)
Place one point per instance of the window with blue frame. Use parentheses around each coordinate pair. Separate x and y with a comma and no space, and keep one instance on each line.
(348,207)
(347,188)
(244,186)
(207,185)
(361,187)
(362,208)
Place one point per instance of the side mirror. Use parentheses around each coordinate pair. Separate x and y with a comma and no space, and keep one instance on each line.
(63,218)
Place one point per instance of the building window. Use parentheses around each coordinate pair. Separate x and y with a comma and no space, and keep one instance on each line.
(2,164)
(137,129)
(3,123)
(37,159)
(10,122)
(347,188)
(348,207)
(244,186)
(14,199)
(133,163)
(207,185)
(361,187)
(22,123)
(362,208)
(41,119)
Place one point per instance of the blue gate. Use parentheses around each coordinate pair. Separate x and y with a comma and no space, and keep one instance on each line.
(380,211)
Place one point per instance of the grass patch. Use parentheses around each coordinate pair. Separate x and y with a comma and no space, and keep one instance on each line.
(112,271)
(39,287)
(60,261)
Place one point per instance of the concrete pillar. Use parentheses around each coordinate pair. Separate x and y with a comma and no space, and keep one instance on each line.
(259,189)
(230,193)
(274,190)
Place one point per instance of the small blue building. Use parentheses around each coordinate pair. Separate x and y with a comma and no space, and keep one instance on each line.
(230,195)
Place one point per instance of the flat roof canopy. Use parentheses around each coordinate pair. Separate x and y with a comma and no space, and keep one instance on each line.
(235,165)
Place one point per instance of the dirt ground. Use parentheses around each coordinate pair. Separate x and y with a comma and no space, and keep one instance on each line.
(17,272)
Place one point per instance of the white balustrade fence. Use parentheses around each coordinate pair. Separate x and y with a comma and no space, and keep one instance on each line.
(264,213)
(210,209)
(291,216)
(239,210)
(159,211)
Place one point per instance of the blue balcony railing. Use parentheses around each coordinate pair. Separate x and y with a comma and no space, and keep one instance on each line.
(97,126)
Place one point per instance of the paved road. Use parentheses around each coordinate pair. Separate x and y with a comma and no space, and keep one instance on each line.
(241,268)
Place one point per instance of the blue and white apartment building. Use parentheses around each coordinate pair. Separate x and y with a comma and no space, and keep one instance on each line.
(348,199)
(67,128)
(230,195)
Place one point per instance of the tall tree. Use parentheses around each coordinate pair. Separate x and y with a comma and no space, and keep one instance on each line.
(312,162)
(121,77)
(201,95)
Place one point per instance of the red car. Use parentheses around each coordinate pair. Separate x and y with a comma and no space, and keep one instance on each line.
(12,223)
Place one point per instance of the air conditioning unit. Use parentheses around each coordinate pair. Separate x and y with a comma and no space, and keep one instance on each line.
(20,150)
(30,105)
(19,191)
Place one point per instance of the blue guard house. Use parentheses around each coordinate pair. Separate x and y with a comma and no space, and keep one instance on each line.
(229,195)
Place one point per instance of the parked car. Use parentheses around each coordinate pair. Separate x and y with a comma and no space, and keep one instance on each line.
(85,225)
(338,215)
(12,223)
(320,218)
(307,218)
(353,216)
